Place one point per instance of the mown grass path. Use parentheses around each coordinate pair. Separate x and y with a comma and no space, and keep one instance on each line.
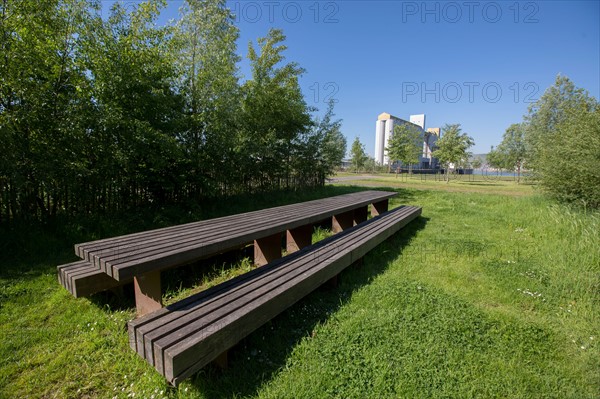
(487,295)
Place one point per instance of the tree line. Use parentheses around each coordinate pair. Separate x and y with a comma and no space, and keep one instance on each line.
(558,143)
(102,114)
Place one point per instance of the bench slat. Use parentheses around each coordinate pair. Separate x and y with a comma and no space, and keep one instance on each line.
(82,279)
(126,256)
(180,254)
(107,243)
(226,235)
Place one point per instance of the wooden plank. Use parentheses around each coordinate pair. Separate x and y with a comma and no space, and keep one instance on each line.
(82,279)
(107,259)
(139,241)
(110,249)
(99,245)
(132,252)
(222,233)
(334,250)
(179,255)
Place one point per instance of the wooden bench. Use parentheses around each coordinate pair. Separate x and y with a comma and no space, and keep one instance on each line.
(182,338)
(142,256)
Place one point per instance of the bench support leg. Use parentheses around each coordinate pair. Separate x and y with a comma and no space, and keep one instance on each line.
(267,249)
(378,208)
(148,296)
(360,215)
(298,238)
(342,221)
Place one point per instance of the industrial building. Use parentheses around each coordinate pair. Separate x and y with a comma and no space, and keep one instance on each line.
(384,129)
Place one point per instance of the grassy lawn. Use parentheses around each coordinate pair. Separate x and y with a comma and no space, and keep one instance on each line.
(489,184)
(493,292)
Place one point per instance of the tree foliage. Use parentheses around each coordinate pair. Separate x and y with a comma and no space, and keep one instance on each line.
(106,112)
(274,112)
(322,148)
(358,157)
(551,110)
(405,145)
(563,139)
(512,151)
(568,166)
(453,147)
(334,142)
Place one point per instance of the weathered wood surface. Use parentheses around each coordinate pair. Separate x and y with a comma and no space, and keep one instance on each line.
(182,338)
(127,256)
(83,279)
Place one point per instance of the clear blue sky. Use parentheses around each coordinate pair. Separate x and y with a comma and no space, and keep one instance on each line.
(477,63)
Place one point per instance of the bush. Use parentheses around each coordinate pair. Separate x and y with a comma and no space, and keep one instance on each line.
(569,164)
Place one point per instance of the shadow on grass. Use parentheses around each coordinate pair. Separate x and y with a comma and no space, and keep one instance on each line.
(260,356)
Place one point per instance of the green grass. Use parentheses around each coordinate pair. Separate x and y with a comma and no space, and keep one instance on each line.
(504,185)
(488,294)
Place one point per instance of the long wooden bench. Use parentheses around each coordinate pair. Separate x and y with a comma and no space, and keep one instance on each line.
(182,338)
(142,256)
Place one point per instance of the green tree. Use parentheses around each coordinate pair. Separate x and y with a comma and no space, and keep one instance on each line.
(43,104)
(358,157)
(512,151)
(476,163)
(204,51)
(568,163)
(274,113)
(452,147)
(548,112)
(405,145)
(132,141)
(333,142)
(100,113)
(562,143)
(370,165)
(319,151)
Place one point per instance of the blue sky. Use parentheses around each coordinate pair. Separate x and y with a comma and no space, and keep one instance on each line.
(477,63)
